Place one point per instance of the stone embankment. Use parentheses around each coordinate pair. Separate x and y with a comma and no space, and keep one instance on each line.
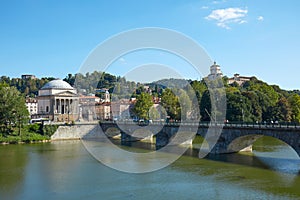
(76,132)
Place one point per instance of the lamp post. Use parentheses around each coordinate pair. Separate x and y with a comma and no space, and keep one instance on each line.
(19,120)
(68,116)
(243,114)
(242,110)
(19,124)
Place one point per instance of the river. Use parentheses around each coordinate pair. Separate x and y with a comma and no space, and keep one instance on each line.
(65,170)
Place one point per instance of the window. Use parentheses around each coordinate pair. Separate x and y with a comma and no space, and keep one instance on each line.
(47,109)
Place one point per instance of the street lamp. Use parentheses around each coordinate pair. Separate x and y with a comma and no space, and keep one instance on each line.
(19,120)
(241,100)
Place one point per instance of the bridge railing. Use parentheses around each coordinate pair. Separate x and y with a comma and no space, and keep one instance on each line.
(289,125)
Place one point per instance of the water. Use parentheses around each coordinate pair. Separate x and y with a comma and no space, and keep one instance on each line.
(65,170)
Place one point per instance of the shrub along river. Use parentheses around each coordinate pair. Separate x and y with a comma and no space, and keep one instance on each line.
(65,170)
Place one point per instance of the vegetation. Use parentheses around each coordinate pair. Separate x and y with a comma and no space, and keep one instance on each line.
(90,82)
(28,87)
(14,119)
(254,101)
(13,112)
(143,105)
(29,133)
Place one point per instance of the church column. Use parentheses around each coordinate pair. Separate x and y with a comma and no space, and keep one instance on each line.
(63,109)
(71,106)
(60,106)
(53,106)
(66,106)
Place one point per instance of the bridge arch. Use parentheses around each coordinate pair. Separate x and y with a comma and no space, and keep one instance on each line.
(246,141)
(199,142)
(112,132)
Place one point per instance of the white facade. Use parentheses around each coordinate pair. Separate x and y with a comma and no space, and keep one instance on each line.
(215,72)
(240,80)
(120,109)
(106,96)
(32,106)
(58,101)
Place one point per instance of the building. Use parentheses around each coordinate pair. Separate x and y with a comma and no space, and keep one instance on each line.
(92,99)
(87,107)
(104,94)
(103,111)
(58,101)
(106,98)
(240,80)
(32,106)
(121,109)
(215,72)
(27,76)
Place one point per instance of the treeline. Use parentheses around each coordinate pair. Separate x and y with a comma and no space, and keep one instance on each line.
(254,101)
(28,87)
(90,82)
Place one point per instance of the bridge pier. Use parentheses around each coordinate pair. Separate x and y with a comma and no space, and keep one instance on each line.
(162,139)
(129,138)
(247,149)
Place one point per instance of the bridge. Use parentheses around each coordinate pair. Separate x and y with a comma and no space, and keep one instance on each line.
(233,138)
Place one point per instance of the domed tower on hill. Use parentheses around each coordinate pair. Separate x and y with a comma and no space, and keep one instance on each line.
(215,72)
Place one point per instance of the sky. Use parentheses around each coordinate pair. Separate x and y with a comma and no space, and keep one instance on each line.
(250,37)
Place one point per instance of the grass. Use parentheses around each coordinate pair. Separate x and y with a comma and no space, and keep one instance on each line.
(29,134)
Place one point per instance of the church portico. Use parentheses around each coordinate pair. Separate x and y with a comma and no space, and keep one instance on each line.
(58,101)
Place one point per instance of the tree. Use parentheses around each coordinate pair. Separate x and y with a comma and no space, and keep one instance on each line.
(143,105)
(281,111)
(294,101)
(13,111)
(239,108)
(205,106)
(253,101)
(154,114)
(171,104)
(185,104)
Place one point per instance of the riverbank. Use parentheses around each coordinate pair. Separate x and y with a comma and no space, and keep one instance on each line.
(32,138)
(36,133)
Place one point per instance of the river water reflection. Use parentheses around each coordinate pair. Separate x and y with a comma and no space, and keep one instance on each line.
(65,170)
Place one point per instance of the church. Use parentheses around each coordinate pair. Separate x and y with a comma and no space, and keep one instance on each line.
(58,101)
(215,72)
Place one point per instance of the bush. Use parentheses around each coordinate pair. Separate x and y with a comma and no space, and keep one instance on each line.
(33,137)
(29,133)
(34,128)
(10,139)
(49,129)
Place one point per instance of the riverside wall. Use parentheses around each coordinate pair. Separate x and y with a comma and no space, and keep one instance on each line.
(75,132)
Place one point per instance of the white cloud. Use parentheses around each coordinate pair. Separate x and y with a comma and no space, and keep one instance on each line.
(227,16)
(218,2)
(205,7)
(260,18)
(122,60)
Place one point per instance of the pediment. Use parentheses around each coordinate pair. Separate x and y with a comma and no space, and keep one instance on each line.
(66,93)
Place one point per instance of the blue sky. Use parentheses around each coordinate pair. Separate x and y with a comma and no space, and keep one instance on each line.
(250,37)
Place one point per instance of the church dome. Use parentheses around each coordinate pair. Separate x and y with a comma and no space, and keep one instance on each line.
(57,84)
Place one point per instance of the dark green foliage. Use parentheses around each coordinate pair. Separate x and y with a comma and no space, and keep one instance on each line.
(49,130)
(13,112)
(143,105)
(29,133)
(171,104)
(34,128)
(28,87)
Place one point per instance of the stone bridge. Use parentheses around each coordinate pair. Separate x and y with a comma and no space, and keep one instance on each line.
(233,137)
